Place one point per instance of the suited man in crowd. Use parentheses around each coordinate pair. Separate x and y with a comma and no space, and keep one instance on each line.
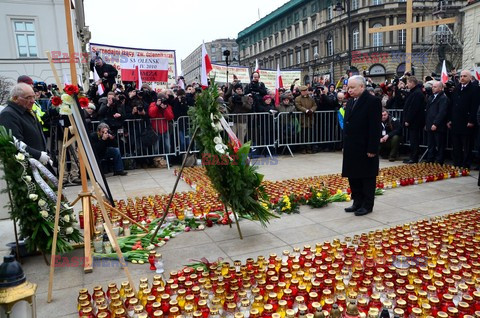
(414,117)
(106,72)
(463,117)
(436,123)
(362,132)
(19,117)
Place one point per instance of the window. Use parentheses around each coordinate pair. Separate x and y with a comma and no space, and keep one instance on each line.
(305,27)
(297,30)
(290,59)
(304,13)
(214,58)
(299,57)
(329,45)
(315,51)
(284,61)
(306,55)
(289,34)
(314,7)
(402,37)
(355,39)
(213,49)
(377,2)
(283,36)
(377,37)
(354,4)
(314,22)
(443,33)
(296,16)
(329,13)
(271,42)
(25,38)
(235,49)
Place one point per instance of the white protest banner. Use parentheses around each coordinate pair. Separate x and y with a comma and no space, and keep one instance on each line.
(219,72)
(156,66)
(269,77)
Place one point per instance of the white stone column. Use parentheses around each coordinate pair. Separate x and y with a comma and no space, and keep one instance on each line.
(360,34)
(367,35)
(395,33)
(387,35)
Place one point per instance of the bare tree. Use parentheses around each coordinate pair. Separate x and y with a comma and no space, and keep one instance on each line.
(5,87)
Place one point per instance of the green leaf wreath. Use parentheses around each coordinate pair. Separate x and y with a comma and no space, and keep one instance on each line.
(232,176)
(288,204)
(31,207)
(319,198)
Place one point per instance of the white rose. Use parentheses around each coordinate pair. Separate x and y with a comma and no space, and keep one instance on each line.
(41,202)
(20,156)
(66,218)
(44,213)
(28,178)
(67,99)
(218,140)
(219,148)
(65,110)
(69,230)
(218,126)
(33,197)
(72,217)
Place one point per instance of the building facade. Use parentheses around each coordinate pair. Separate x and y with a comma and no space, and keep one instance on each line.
(471,35)
(192,63)
(29,28)
(314,36)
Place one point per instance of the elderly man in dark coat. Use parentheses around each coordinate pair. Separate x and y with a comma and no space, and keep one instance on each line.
(414,117)
(362,132)
(22,121)
(463,118)
(436,123)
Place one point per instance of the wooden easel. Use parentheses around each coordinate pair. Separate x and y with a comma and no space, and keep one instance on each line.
(408,27)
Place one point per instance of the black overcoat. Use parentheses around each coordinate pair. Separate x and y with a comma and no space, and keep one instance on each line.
(414,109)
(464,108)
(437,112)
(362,131)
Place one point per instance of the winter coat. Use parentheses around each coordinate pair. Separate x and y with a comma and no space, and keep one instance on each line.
(304,103)
(414,109)
(464,108)
(437,112)
(362,131)
(159,117)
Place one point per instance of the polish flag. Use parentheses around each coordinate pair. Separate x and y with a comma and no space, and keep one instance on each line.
(278,85)
(206,67)
(150,71)
(477,74)
(444,77)
(181,82)
(139,81)
(100,88)
(257,68)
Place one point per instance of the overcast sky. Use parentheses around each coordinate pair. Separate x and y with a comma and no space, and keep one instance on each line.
(179,25)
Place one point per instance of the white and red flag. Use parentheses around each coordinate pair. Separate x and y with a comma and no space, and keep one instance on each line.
(278,85)
(206,67)
(444,77)
(100,88)
(145,70)
(257,68)
(475,71)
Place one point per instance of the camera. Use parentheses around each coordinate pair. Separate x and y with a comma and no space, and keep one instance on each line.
(110,132)
(140,108)
(140,93)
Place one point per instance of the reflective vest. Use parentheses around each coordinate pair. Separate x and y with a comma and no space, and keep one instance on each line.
(39,113)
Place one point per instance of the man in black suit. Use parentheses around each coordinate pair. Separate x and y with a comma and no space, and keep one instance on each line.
(414,117)
(19,117)
(362,131)
(436,123)
(463,116)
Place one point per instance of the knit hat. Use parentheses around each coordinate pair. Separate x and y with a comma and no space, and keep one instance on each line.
(267,97)
(238,85)
(92,106)
(25,79)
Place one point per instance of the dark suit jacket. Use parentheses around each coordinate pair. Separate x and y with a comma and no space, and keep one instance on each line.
(437,112)
(414,109)
(362,131)
(25,128)
(464,108)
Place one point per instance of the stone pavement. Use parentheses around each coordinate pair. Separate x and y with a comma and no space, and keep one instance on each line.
(396,206)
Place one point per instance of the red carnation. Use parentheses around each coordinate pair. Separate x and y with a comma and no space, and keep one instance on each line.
(56,101)
(71,89)
(83,101)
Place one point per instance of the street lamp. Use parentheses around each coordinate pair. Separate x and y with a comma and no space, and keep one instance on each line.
(338,8)
(226,53)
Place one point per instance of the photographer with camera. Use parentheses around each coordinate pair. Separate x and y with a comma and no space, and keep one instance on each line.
(107,72)
(112,111)
(105,147)
(180,109)
(257,89)
(160,114)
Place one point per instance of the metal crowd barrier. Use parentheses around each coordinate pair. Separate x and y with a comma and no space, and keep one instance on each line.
(264,130)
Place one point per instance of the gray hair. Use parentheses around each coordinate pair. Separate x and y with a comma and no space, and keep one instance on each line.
(358,78)
(18,90)
(437,82)
(101,126)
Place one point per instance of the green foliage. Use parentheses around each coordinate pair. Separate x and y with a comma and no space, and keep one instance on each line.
(288,204)
(319,198)
(34,228)
(237,182)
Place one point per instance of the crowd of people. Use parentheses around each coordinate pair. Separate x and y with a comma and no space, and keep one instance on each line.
(430,108)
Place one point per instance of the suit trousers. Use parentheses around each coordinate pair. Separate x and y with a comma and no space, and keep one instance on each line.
(363,191)
(415,135)
(436,146)
(462,149)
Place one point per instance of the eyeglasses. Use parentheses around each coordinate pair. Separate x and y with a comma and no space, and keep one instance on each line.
(28,97)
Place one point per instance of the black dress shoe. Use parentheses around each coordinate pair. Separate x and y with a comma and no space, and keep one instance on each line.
(352,208)
(120,173)
(410,161)
(362,211)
